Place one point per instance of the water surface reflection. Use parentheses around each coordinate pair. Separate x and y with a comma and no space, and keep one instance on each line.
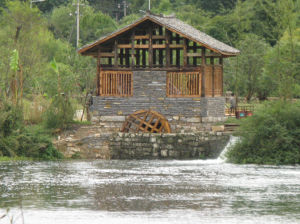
(150,191)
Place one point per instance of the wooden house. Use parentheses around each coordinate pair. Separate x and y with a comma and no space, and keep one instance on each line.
(162,64)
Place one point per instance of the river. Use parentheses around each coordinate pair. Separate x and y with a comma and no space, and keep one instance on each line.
(148,191)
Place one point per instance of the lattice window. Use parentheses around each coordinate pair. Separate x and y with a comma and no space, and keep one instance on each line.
(184,84)
(116,83)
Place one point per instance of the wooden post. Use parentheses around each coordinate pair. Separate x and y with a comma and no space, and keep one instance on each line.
(160,55)
(195,51)
(150,55)
(185,60)
(177,51)
(144,55)
(132,49)
(98,72)
(203,64)
(127,61)
(121,56)
(168,55)
(221,64)
(116,54)
(137,64)
(213,75)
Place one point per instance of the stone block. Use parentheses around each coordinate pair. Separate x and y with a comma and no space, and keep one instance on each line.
(217,128)
(176,118)
(193,120)
(164,153)
(173,154)
(152,139)
(112,118)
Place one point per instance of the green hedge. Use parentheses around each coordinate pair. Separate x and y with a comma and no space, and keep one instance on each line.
(271,136)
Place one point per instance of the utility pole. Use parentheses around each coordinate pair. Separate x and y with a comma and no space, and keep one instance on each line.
(125,7)
(77,21)
(149,5)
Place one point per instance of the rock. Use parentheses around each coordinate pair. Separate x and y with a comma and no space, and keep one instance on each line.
(217,128)
(164,153)
(112,118)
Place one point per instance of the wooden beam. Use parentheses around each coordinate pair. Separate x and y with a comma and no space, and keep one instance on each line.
(124,45)
(141,46)
(221,63)
(137,53)
(106,55)
(121,56)
(139,37)
(127,56)
(160,46)
(213,76)
(168,54)
(132,49)
(158,37)
(203,72)
(150,54)
(160,54)
(144,55)
(185,58)
(177,45)
(177,51)
(116,53)
(98,73)
(195,54)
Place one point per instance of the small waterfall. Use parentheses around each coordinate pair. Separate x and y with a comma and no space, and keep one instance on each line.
(231,142)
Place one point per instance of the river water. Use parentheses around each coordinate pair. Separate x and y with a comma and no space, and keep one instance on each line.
(148,191)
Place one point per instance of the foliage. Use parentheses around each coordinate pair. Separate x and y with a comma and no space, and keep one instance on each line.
(271,136)
(19,140)
(244,74)
(60,113)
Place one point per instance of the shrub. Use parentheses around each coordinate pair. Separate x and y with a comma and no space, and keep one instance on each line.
(271,136)
(60,113)
(16,139)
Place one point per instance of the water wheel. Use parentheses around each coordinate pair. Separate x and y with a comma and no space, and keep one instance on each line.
(146,121)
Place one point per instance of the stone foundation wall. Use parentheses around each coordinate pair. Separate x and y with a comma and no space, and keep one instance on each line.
(144,145)
(149,92)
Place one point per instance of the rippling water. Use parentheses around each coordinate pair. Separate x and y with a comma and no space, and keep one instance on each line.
(149,191)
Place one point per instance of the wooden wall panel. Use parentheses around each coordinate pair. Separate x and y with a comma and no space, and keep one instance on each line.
(218,81)
(116,83)
(208,80)
(184,84)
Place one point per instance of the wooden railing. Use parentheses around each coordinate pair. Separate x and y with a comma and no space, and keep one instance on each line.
(116,83)
(183,84)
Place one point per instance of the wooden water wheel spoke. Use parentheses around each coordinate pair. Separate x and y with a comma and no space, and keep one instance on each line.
(146,121)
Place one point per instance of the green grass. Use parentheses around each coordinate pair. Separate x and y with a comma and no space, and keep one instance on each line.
(17,158)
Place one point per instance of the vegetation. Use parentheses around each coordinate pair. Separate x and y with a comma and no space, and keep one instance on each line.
(271,136)
(18,140)
(42,77)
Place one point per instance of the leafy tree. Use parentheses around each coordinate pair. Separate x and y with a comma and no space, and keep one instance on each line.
(92,24)
(245,77)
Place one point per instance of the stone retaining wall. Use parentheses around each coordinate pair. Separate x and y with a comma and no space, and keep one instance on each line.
(167,146)
(145,146)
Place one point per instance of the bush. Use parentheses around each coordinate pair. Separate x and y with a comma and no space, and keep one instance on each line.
(60,113)
(271,136)
(16,139)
